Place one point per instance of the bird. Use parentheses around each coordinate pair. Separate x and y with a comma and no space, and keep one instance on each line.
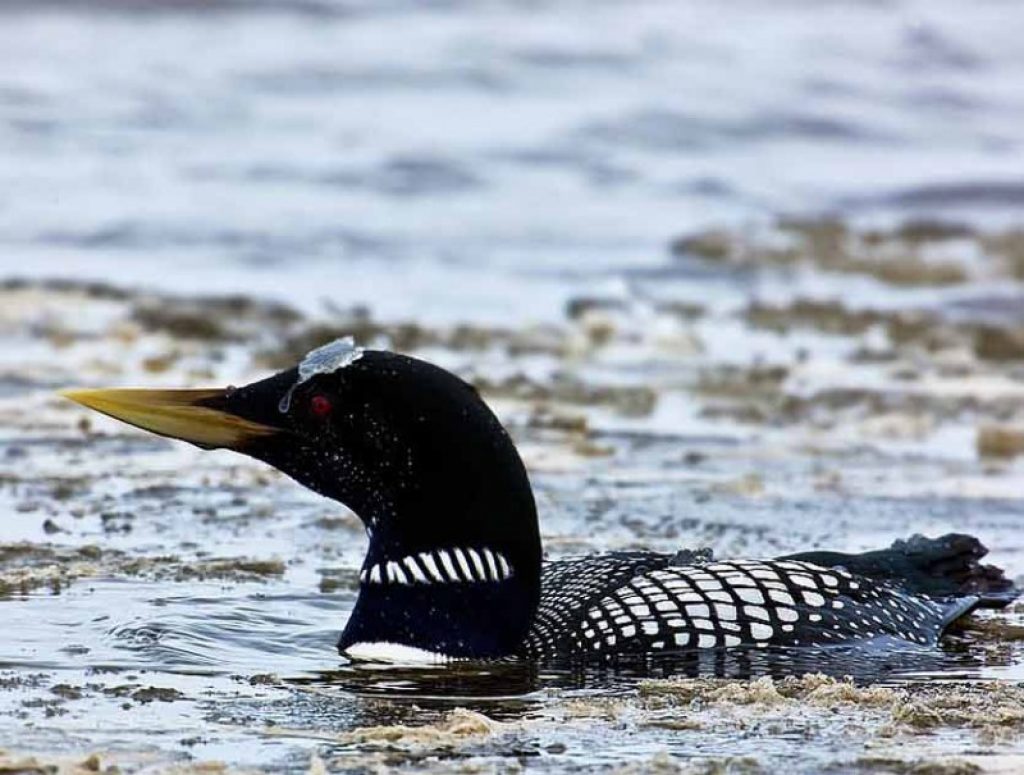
(454,569)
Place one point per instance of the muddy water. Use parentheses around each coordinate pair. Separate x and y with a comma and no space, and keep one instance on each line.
(575,207)
(161,603)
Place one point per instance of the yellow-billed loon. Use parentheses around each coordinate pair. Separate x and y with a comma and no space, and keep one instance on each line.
(454,570)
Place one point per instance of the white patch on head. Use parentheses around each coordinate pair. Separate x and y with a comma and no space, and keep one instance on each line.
(324,360)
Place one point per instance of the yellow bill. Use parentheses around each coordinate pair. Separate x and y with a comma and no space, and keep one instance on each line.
(178,414)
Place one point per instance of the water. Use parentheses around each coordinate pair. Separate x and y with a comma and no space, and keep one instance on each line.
(142,652)
(426,158)
(495,165)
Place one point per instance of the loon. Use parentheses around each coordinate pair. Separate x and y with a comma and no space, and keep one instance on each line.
(454,567)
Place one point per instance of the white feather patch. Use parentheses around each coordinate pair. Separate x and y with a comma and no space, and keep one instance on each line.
(394,653)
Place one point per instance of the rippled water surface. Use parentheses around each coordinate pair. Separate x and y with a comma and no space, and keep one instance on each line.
(495,186)
(364,151)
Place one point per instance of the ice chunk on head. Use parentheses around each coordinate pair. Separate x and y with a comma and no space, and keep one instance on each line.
(329,358)
(324,360)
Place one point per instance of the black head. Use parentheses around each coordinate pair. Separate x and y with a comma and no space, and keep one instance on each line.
(409,447)
(416,453)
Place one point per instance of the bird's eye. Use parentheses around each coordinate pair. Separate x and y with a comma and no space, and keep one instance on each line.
(320,406)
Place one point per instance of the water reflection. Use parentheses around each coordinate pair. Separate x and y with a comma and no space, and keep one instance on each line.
(525,682)
(480,680)
(285,634)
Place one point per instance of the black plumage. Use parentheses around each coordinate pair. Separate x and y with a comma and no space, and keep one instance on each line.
(453,568)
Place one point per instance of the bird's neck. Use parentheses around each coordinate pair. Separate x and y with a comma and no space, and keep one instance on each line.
(451,570)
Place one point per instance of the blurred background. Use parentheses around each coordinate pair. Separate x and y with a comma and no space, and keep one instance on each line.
(745,275)
(455,161)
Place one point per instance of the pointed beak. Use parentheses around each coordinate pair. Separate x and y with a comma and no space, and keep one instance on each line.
(195,416)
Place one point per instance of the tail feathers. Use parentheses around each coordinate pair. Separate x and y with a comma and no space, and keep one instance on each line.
(947,566)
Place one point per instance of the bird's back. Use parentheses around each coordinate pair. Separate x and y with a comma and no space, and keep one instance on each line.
(643,602)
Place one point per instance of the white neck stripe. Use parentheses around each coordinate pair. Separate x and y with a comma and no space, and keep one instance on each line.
(441,566)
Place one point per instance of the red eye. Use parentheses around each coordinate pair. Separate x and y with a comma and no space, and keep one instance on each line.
(320,406)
